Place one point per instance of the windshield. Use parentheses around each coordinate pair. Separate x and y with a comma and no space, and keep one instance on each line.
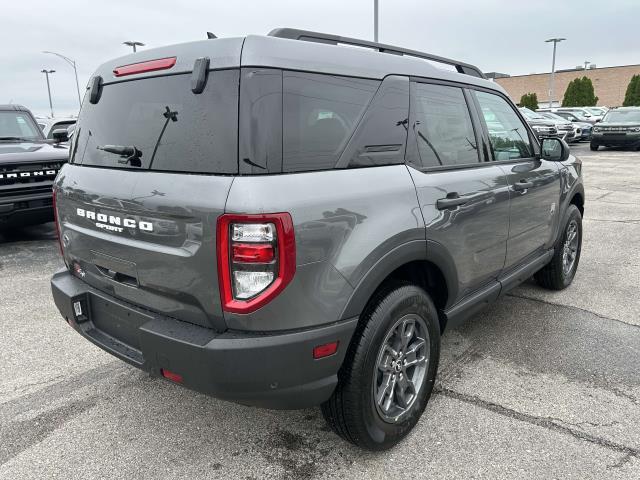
(623,116)
(553,116)
(595,111)
(530,114)
(158,123)
(16,125)
(578,114)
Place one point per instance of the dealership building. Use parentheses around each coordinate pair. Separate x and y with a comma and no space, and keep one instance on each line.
(609,83)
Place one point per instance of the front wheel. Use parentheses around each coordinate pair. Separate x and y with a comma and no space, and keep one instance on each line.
(559,272)
(389,371)
(593,147)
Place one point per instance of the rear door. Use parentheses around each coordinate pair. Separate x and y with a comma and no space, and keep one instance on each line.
(534,183)
(151,166)
(464,197)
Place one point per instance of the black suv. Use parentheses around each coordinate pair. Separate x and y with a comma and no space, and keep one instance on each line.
(283,221)
(620,127)
(28,166)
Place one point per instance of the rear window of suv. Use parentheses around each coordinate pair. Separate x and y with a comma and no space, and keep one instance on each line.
(172,128)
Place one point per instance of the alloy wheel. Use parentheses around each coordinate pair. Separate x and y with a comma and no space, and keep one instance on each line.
(401,368)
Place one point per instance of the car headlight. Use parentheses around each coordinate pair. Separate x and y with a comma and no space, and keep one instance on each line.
(635,129)
(596,129)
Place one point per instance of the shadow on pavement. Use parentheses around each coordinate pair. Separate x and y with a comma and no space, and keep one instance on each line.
(33,233)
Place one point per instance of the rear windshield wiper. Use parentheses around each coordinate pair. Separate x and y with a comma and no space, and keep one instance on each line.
(129,154)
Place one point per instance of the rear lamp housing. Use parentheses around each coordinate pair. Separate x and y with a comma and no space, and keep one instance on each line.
(256,259)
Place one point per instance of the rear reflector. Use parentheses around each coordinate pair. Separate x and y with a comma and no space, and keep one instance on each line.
(325,350)
(174,377)
(142,67)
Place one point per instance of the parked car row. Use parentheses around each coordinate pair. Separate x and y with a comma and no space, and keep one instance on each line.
(546,127)
(582,114)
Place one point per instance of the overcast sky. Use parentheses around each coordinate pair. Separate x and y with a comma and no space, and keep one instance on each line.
(497,35)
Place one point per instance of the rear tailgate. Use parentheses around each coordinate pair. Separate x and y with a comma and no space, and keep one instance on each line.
(144,230)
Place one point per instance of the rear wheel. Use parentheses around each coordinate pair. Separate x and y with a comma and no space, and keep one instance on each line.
(593,146)
(558,274)
(389,370)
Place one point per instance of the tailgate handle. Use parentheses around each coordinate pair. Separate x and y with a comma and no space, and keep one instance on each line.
(117,276)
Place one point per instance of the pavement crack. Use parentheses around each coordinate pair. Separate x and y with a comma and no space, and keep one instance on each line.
(550,423)
(622,462)
(572,307)
(602,196)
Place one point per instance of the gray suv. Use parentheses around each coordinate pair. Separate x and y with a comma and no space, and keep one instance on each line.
(283,221)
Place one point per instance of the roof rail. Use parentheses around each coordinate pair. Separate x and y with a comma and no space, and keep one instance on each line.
(295,34)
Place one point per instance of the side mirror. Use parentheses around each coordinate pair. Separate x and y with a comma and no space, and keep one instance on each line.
(60,135)
(555,150)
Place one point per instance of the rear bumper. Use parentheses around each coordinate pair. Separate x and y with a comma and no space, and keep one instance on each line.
(265,370)
(31,209)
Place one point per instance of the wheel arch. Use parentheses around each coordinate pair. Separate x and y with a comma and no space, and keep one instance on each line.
(578,200)
(423,263)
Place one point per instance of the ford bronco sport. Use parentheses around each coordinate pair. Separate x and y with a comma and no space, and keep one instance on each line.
(285,221)
(28,166)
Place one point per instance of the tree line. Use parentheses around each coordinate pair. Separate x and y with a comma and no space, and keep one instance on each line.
(580,93)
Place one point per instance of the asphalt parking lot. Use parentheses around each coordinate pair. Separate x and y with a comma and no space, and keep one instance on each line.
(539,385)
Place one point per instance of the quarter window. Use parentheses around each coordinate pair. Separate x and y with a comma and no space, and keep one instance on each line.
(442,125)
(320,112)
(508,136)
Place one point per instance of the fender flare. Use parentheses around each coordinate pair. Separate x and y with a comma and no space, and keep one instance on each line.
(416,250)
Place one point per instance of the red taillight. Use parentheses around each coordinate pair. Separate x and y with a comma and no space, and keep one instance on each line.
(325,350)
(256,259)
(252,253)
(174,377)
(142,67)
(55,221)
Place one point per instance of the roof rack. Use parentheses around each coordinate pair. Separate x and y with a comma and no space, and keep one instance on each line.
(295,34)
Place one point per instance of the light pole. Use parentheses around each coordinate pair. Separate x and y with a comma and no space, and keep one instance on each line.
(586,63)
(75,70)
(47,72)
(133,44)
(375,21)
(553,68)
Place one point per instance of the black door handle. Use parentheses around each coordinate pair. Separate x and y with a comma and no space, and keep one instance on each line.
(454,200)
(522,185)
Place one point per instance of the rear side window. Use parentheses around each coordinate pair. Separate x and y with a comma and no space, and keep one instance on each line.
(320,112)
(172,128)
(508,136)
(442,126)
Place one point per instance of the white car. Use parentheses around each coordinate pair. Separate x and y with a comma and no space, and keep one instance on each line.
(48,125)
(583,113)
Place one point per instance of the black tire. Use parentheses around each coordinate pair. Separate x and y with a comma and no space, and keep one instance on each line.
(352,411)
(556,275)
(593,146)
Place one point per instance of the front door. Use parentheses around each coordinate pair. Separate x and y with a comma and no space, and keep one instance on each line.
(463,197)
(534,183)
